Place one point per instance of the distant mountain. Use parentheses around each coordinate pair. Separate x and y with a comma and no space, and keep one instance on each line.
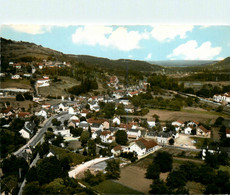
(16,51)
(183,63)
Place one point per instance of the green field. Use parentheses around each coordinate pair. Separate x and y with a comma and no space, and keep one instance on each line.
(111,187)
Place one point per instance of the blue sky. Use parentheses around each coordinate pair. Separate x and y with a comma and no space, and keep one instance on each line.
(141,30)
(139,42)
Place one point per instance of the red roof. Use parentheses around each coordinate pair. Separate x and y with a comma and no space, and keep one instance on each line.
(204,129)
(23,114)
(227,131)
(117,148)
(195,122)
(6,110)
(148,144)
(93,120)
(104,133)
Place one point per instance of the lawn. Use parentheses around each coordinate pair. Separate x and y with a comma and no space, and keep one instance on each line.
(20,83)
(112,187)
(201,142)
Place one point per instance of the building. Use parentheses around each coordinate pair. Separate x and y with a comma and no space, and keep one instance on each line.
(134,133)
(202,131)
(142,146)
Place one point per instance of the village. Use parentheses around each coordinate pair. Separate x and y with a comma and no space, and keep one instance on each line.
(98,126)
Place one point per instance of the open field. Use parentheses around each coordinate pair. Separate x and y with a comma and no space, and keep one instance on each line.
(19,104)
(134,177)
(58,88)
(20,83)
(196,114)
(195,188)
(112,187)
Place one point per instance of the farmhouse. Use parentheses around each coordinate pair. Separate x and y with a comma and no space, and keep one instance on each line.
(228,133)
(142,146)
(116,151)
(202,131)
(106,136)
(134,133)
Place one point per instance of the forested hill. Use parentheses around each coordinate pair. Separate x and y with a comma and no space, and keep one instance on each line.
(133,65)
(19,51)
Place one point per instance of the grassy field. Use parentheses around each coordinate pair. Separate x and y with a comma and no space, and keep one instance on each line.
(20,83)
(111,187)
(196,114)
(58,88)
(200,142)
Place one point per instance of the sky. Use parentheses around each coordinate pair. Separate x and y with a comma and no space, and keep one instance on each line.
(139,30)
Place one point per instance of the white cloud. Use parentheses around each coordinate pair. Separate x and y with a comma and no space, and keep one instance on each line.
(191,51)
(119,38)
(229,44)
(169,32)
(130,56)
(30,29)
(149,56)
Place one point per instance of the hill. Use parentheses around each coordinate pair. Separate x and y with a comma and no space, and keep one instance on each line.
(16,51)
(183,63)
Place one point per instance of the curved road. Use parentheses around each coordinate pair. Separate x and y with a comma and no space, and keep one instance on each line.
(38,136)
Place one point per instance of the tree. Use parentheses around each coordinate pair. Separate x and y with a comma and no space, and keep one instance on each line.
(113,169)
(219,121)
(161,158)
(121,137)
(159,187)
(176,179)
(32,188)
(20,97)
(91,148)
(157,118)
(109,110)
(84,137)
(153,171)
(90,132)
(76,131)
(56,122)
(212,189)
(44,149)
(66,123)
(49,169)
(32,175)
(171,141)
(28,96)
(59,139)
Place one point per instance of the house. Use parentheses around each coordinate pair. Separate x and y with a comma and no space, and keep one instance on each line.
(61,130)
(193,123)
(106,137)
(28,130)
(84,125)
(71,111)
(222,98)
(113,81)
(16,76)
(142,146)
(134,133)
(116,120)
(43,82)
(133,93)
(116,151)
(42,113)
(105,124)
(84,112)
(202,131)
(151,123)
(96,134)
(188,130)
(23,114)
(161,137)
(178,123)
(7,112)
(228,133)
(46,106)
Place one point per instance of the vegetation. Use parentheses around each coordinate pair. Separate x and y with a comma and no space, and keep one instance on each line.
(121,137)
(112,169)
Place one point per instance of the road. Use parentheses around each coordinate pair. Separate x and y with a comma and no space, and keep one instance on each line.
(82,167)
(181,148)
(38,136)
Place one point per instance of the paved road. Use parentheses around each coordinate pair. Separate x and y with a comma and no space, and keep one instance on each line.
(82,167)
(38,136)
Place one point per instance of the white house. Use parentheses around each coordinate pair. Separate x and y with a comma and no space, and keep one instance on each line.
(24,133)
(142,146)
(228,133)
(222,97)
(116,120)
(43,82)
(71,110)
(106,136)
(188,130)
(16,76)
(178,123)
(42,113)
(134,133)
(151,123)
(116,151)
(62,131)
